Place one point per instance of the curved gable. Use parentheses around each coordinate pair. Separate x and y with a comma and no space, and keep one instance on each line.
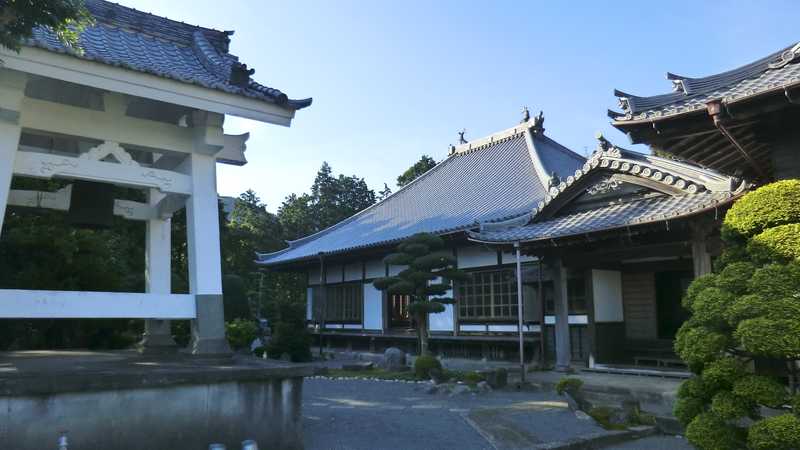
(614,174)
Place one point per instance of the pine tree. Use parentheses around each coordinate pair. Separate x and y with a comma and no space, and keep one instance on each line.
(426,280)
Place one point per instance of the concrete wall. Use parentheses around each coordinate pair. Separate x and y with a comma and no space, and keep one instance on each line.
(172,417)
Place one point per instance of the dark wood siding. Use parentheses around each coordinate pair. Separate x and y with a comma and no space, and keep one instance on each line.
(639,303)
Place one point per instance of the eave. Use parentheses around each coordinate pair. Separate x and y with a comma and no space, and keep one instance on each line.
(68,68)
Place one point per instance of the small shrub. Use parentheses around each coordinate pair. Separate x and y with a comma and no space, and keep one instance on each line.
(570,385)
(708,431)
(775,433)
(240,333)
(760,389)
(424,364)
(473,378)
(290,339)
(768,206)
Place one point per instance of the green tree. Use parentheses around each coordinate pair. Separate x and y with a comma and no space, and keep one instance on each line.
(745,322)
(18,18)
(424,164)
(426,280)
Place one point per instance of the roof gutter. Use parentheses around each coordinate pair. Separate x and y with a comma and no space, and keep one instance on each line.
(714,109)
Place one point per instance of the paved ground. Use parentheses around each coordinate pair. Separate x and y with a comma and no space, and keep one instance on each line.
(377,415)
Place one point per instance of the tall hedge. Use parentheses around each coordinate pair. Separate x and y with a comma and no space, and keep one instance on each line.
(747,310)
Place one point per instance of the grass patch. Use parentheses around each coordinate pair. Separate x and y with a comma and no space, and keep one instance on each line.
(373,373)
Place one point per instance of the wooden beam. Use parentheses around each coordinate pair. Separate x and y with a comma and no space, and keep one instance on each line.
(40,165)
(116,79)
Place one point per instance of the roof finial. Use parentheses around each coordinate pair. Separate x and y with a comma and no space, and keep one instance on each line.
(555,180)
(526,115)
(602,143)
(451,150)
(538,123)
(461,139)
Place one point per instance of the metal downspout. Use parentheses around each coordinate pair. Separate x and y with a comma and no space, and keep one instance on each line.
(714,109)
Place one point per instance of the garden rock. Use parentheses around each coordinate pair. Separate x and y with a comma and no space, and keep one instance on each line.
(459,389)
(394,359)
(483,387)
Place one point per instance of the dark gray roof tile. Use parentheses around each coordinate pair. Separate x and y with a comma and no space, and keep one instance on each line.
(776,70)
(125,37)
(492,181)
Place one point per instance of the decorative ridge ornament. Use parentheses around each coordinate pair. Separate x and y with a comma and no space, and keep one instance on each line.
(787,57)
(526,115)
(461,139)
(538,123)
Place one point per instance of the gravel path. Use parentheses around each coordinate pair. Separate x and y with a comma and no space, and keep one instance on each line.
(378,415)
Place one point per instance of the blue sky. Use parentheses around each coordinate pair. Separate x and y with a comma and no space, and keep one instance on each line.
(394,80)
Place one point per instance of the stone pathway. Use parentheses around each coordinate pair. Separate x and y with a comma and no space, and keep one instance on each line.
(377,415)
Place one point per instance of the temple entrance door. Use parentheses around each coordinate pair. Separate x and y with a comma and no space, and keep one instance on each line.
(399,317)
(670,288)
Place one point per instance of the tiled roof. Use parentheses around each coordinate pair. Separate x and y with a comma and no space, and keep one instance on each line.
(139,41)
(775,71)
(491,179)
(688,190)
(648,209)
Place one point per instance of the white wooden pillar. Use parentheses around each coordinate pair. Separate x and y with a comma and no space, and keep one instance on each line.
(12,88)
(158,261)
(563,349)
(205,262)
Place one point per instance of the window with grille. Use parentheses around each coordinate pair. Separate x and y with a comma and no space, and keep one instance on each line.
(345,303)
(489,295)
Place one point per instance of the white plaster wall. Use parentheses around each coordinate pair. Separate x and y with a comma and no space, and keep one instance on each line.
(607,290)
(352,272)
(309,303)
(511,258)
(375,268)
(476,256)
(334,274)
(443,321)
(373,308)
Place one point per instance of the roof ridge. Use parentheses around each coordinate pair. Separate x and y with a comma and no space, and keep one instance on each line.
(491,139)
(109,13)
(686,88)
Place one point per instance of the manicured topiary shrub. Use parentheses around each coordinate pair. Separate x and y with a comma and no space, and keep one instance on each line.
(769,206)
(698,345)
(775,433)
(424,364)
(748,310)
(709,431)
(779,243)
